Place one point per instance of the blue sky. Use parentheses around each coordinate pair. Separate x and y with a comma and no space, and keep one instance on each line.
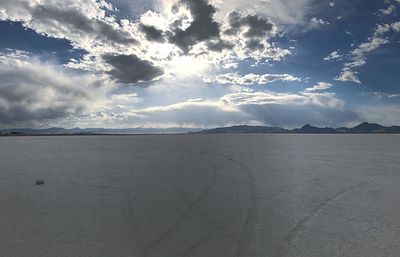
(198,64)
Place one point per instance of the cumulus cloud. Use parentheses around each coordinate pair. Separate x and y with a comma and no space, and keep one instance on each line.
(348,75)
(219,45)
(33,93)
(155,40)
(131,69)
(84,23)
(152,33)
(201,28)
(181,39)
(253,28)
(245,36)
(256,26)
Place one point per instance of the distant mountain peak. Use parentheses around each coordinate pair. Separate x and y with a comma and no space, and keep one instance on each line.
(366,127)
(307,126)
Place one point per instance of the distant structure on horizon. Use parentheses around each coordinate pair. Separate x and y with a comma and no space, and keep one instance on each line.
(16,133)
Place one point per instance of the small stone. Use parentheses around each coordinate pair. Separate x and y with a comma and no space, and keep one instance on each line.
(39,182)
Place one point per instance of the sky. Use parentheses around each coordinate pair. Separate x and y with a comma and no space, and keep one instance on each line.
(198,63)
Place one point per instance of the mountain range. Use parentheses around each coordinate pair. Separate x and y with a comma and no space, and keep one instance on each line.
(94,131)
(363,128)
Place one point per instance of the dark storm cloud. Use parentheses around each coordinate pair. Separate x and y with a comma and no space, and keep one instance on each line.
(130,69)
(257,27)
(202,28)
(76,23)
(152,33)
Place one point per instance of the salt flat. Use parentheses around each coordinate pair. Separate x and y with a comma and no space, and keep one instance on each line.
(200,195)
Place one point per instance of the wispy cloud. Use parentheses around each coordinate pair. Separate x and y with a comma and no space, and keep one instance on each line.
(250,79)
(319,87)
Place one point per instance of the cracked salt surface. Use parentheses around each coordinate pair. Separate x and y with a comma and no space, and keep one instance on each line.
(200,195)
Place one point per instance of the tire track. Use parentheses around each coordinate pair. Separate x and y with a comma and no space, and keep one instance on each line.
(247,236)
(304,223)
(185,215)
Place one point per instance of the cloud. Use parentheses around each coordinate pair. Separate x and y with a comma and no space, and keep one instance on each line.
(134,8)
(256,29)
(396,26)
(37,94)
(84,23)
(335,55)
(316,22)
(256,26)
(319,87)
(250,79)
(201,28)
(190,39)
(151,38)
(152,33)
(219,45)
(358,56)
(369,46)
(385,114)
(287,13)
(131,69)
(285,109)
(382,29)
(257,108)
(33,93)
(388,10)
(262,98)
(249,36)
(348,75)
(190,114)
